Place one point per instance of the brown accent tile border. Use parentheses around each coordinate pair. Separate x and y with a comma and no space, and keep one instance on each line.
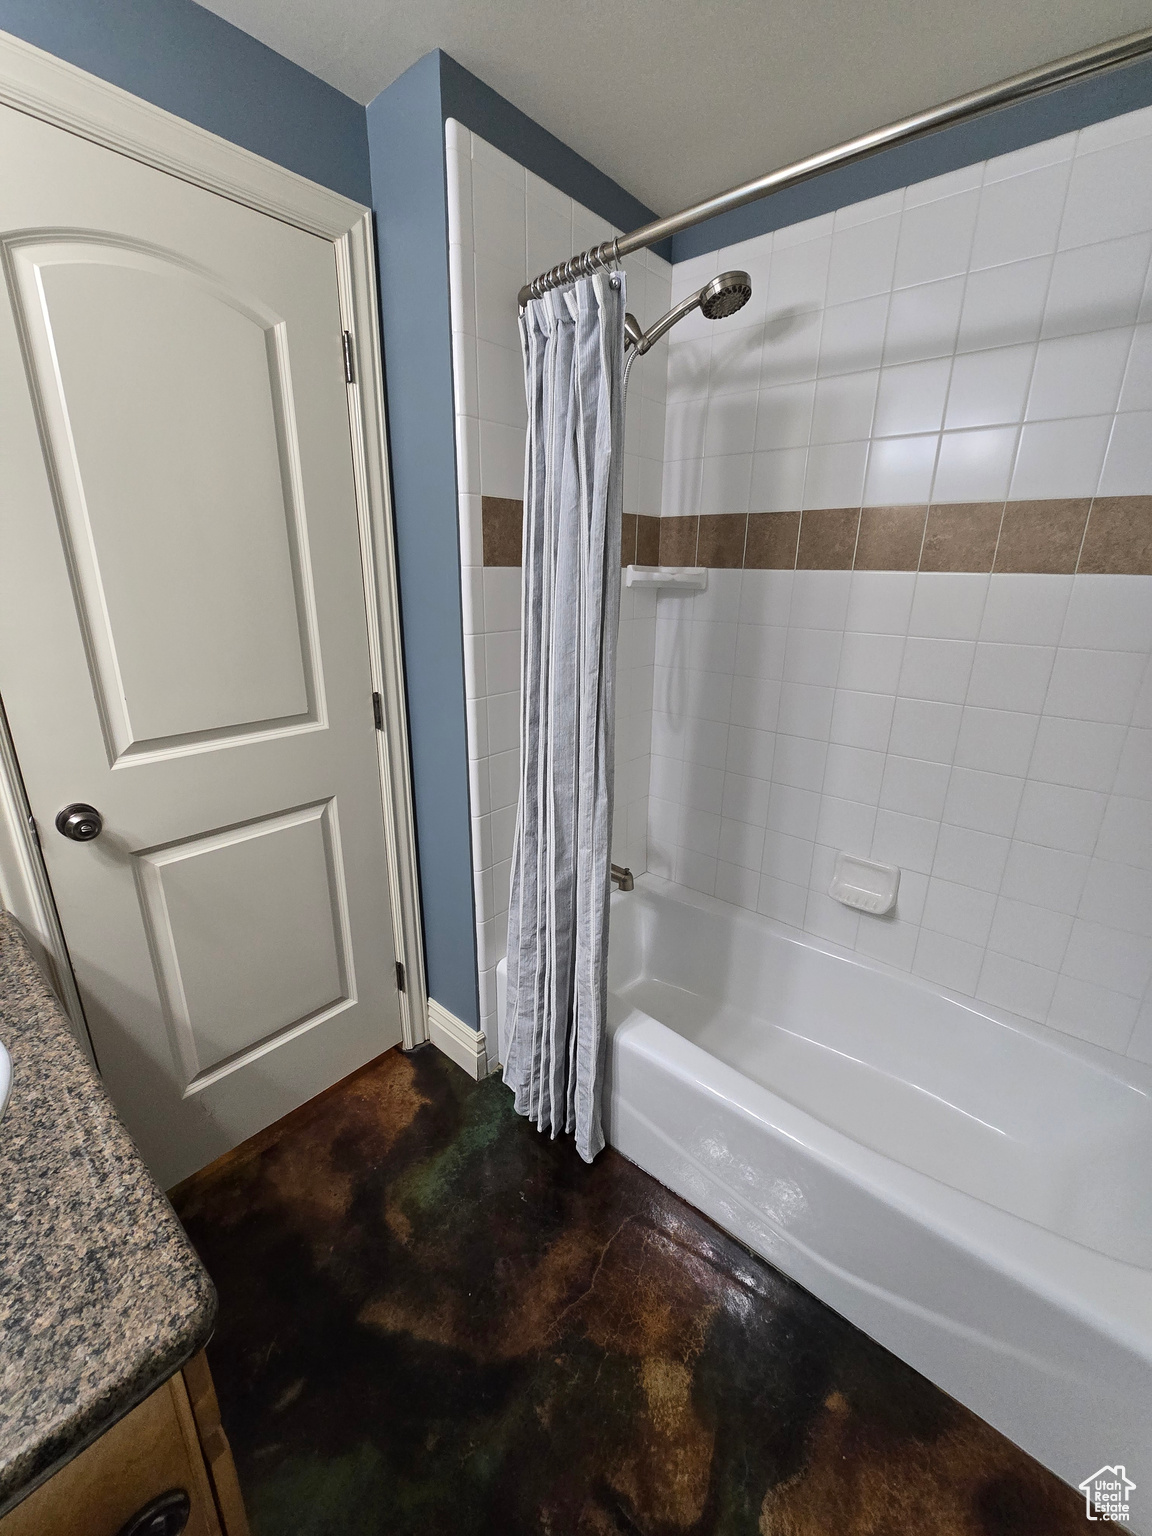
(720,542)
(890,538)
(628,537)
(678,537)
(647,540)
(961,536)
(502,522)
(827,539)
(1118,539)
(1108,535)
(772,540)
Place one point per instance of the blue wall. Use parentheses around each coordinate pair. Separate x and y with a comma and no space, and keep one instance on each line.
(1029,122)
(181,57)
(409,194)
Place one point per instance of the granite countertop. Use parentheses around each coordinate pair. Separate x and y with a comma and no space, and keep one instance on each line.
(101,1295)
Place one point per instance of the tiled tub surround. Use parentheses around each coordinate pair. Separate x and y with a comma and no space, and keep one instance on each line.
(955,678)
(505,224)
(989,734)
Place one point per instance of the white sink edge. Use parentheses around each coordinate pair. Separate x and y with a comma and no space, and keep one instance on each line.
(5,1077)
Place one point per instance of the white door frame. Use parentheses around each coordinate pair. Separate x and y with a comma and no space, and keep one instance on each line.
(43,86)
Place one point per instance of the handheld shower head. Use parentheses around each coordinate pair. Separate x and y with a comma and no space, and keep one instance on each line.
(718,299)
(725,294)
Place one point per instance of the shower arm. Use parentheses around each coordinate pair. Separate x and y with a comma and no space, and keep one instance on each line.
(648,339)
(1033,82)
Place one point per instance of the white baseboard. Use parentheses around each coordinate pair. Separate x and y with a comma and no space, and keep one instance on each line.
(465,1045)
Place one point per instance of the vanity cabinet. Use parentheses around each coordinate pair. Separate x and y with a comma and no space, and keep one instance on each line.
(172,1444)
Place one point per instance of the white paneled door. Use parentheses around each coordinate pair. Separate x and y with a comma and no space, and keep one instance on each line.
(183,638)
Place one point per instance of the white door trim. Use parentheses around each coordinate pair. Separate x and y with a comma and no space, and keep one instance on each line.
(45,87)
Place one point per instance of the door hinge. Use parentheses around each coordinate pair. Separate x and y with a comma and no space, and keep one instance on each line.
(349,371)
(378,711)
(400,987)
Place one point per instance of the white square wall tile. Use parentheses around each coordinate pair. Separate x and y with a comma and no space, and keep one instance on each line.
(829,919)
(1044,876)
(1026,609)
(970,857)
(1027,932)
(1118,895)
(914,787)
(737,885)
(1128,461)
(1093,1013)
(862,260)
(1136,391)
(1083,753)
(852,336)
(936,238)
(1004,305)
(784,902)
(1094,684)
(1060,458)
(853,773)
(1016,985)
(1134,775)
(986,802)
(1110,958)
(820,599)
(1059,817)
(880,602)
(958,910)
(948,605)
(1011,677)
(948,961)
(1097,286)
(990,388)
(975,465)
(1020,217)
(870,663)
(923,321)
(936,669)
(862,719)
(911,397)
(900,470)
(925,729)
(844,406)
(1078,375)
(1109,195)
(834,474)
(784,415)
(1126,832)
(996,740)
(906,840)
(1140,1046)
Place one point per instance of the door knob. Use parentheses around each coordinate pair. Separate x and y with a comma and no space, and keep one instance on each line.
(79,822)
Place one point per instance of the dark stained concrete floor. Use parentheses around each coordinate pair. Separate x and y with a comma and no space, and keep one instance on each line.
(435,1322)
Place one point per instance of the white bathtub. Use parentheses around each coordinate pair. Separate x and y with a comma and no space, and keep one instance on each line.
(973,1191)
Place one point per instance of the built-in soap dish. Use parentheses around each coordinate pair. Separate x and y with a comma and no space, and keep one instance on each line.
(866,886)
(690,578)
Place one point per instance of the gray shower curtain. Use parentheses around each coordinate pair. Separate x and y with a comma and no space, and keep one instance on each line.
(573,342)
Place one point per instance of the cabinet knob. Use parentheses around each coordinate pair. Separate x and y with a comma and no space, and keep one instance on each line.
(165,1516)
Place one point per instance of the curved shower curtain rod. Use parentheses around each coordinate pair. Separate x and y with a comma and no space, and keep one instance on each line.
(1033,82)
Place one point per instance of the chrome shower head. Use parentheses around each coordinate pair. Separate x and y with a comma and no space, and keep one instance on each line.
(725,294)
(718,299)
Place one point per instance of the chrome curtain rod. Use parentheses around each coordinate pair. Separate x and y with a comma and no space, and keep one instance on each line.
(1033,82)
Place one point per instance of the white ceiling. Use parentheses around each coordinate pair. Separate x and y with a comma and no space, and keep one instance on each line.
(678,99)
